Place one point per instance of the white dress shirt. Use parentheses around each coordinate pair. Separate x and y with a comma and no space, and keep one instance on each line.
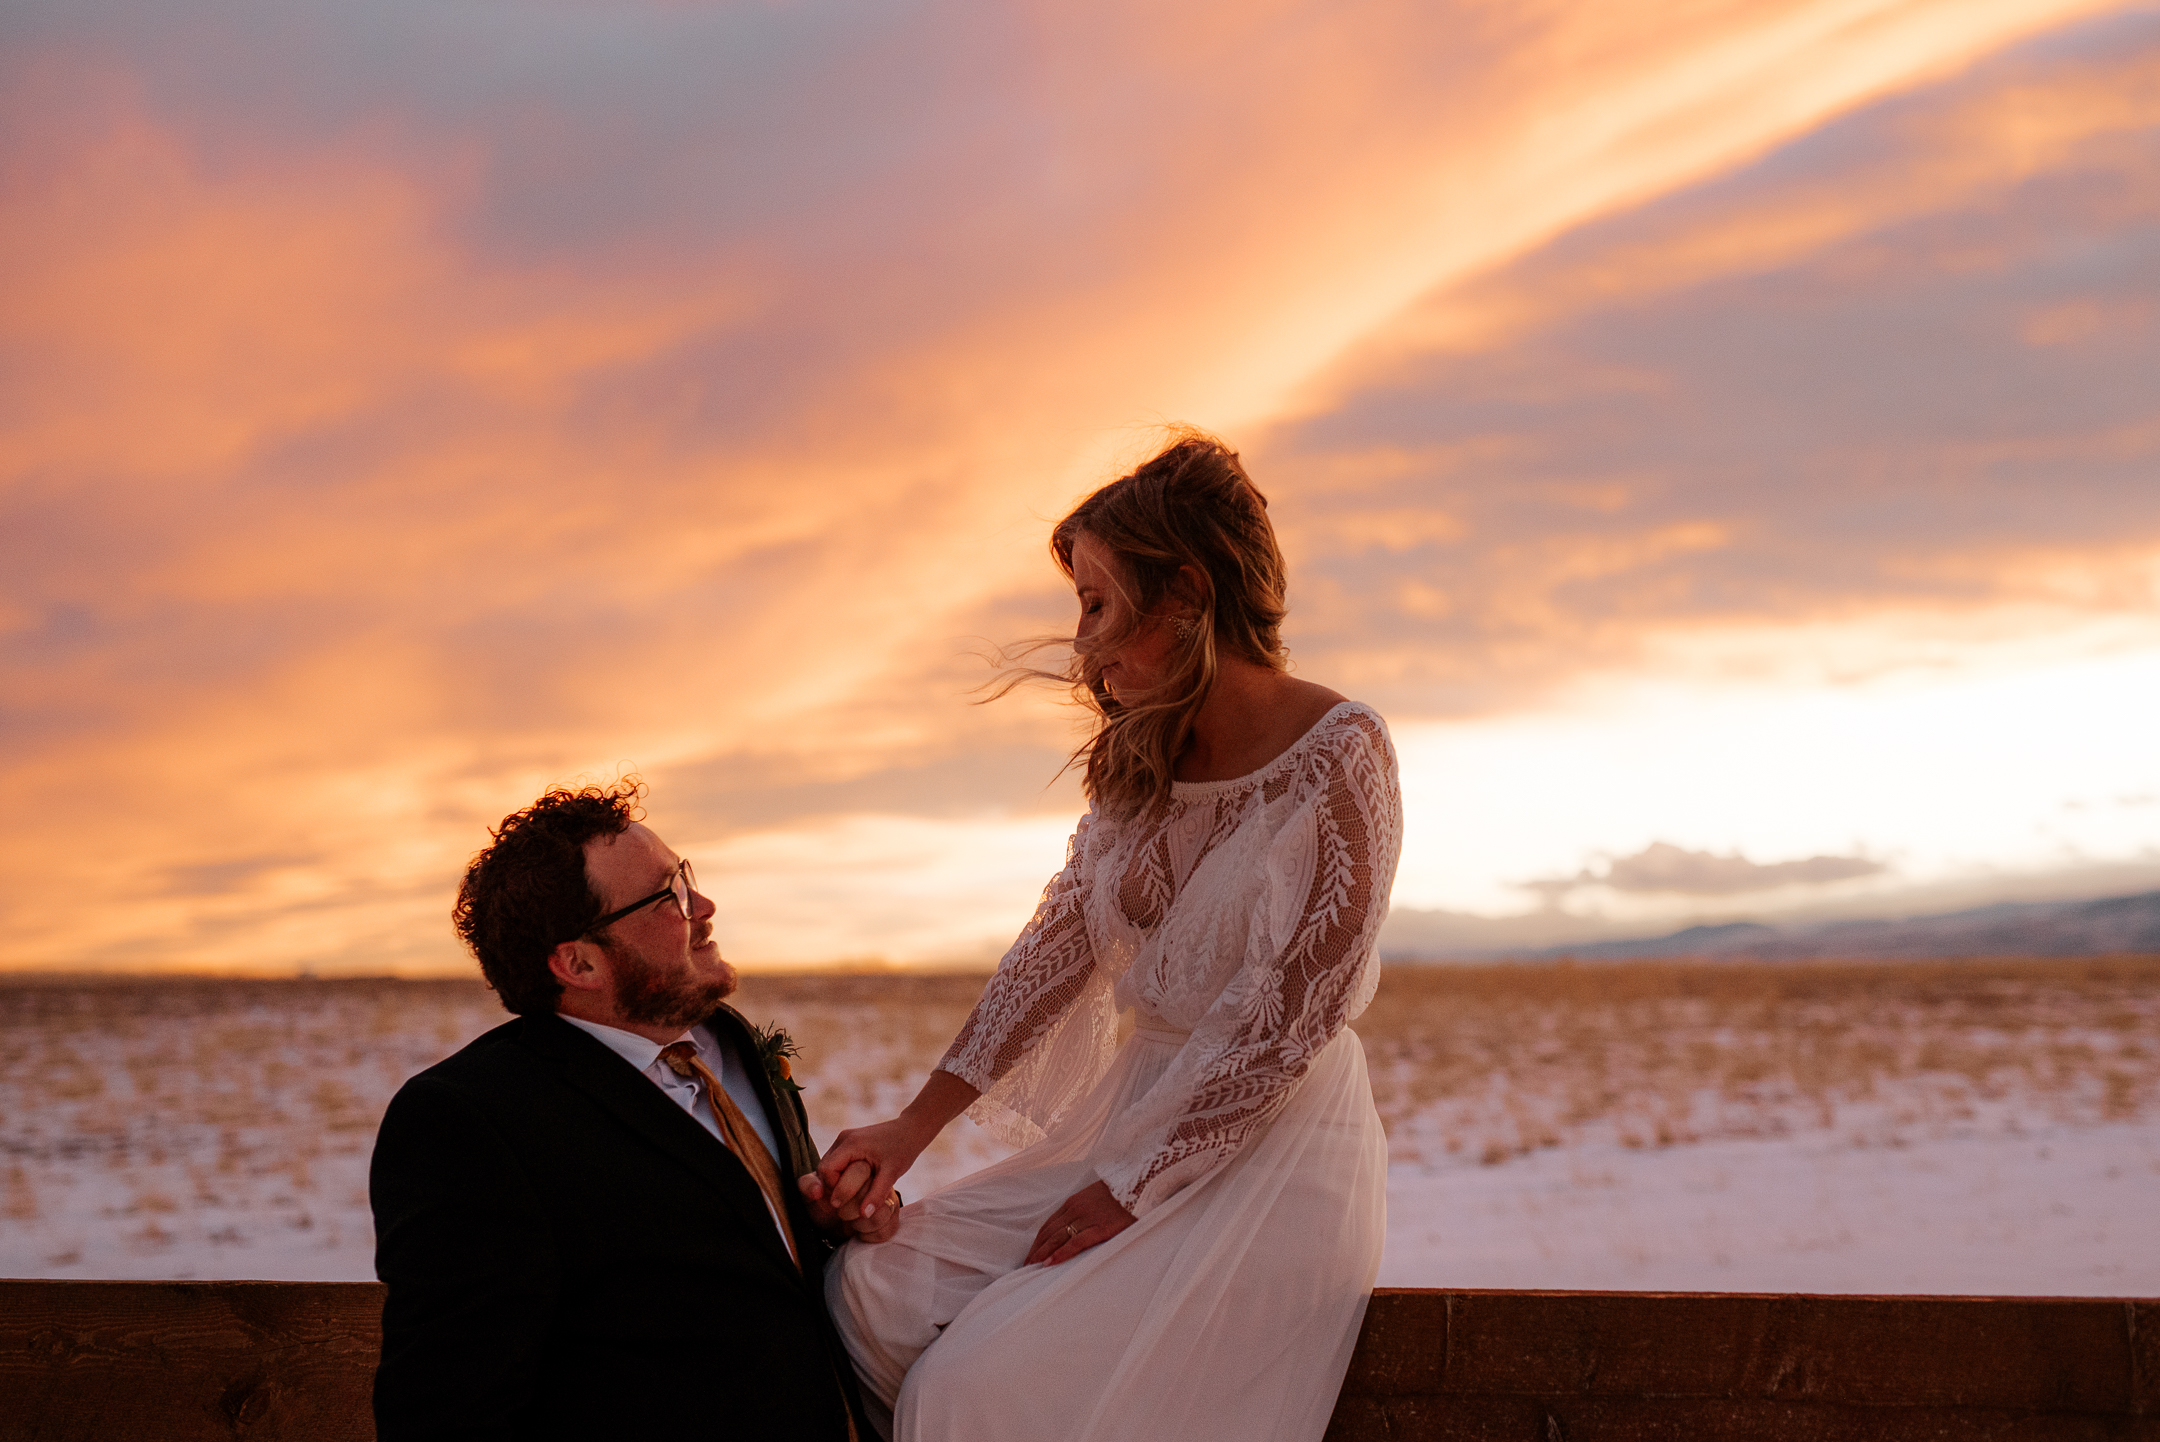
(688,1092)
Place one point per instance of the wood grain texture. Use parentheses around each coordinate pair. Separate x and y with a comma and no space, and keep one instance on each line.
(188,1361)
(182,1361)
(1860,1351)
(1547,1366)
(2145,1357)
(1472,1418)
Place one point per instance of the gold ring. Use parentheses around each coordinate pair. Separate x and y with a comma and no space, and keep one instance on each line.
(1072,1229)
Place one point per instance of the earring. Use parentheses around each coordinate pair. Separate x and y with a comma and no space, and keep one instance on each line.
(1185,627)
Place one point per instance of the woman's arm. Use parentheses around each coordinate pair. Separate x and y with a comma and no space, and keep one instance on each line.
(1036,983)
(1047,969)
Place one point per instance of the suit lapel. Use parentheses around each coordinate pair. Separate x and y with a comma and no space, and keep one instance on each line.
(731,1028)
(791,1129)
(586,1064)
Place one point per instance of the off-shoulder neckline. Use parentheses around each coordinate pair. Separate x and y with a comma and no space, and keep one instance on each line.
(1181,789)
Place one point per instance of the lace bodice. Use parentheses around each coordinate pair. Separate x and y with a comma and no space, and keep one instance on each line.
(1244,912)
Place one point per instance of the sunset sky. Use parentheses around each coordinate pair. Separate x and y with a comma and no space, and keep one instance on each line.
(1722,438)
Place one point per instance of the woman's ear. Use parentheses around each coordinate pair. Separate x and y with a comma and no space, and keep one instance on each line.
(1191,590)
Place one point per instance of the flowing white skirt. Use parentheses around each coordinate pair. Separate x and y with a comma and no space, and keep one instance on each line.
(1229,1311)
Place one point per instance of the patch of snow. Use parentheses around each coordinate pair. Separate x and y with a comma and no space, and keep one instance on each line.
(2063,1211)
(1540,1139)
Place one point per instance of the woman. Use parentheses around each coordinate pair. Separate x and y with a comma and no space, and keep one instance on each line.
(1185,1246)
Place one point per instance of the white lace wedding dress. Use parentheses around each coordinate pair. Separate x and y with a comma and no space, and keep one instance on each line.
(1236,1123)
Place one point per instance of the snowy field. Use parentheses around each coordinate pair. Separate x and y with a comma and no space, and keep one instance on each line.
(1981,1128)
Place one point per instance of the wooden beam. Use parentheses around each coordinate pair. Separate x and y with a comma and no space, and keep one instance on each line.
(188,1361)
(196,1361)
(1556,1365)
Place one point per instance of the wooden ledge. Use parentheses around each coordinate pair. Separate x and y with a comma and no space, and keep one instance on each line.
(182,1361)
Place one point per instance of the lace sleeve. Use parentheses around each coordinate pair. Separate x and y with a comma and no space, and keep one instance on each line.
(1330,870)
(1043,1029)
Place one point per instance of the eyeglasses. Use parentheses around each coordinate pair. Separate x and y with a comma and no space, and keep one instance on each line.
(682,886)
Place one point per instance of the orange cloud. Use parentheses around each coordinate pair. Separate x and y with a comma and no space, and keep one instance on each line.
(401,418)
(1930,157)
(1893,368)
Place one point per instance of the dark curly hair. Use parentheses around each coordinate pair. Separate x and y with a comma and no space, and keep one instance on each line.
(527,893)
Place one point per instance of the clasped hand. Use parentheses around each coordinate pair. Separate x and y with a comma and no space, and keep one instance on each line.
(855,1179)
(844,1210)
(865,1162)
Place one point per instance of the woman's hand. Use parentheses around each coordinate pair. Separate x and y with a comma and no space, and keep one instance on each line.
(859,1170)
(889,1148)
(1087,1218)
(878,1227)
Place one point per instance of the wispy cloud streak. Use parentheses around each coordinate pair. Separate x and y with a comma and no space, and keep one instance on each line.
(410,405)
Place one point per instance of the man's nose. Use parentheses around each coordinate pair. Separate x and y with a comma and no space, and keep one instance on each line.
(702,906)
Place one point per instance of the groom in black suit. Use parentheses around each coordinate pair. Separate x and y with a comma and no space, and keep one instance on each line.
(589,1219)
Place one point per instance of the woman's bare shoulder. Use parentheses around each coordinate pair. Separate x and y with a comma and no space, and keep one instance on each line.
(1295,710)
(1305,702)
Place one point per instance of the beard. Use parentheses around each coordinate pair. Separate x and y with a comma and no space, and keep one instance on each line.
(651,995)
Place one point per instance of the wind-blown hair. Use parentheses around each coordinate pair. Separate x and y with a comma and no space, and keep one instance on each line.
(1190,505)
(528,892)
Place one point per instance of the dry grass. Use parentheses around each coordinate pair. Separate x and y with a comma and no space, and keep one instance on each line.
(1491,1062)
(148,1118)
(126,1103)
(249,1107)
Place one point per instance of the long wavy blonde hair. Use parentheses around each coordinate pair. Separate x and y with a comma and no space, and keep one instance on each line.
(1192,505)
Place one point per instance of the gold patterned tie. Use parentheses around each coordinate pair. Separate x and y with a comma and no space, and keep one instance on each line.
(742,1139)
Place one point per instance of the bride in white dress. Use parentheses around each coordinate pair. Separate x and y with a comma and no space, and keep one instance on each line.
(1185,1244)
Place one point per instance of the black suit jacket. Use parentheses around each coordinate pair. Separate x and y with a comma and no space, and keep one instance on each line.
(570,1254)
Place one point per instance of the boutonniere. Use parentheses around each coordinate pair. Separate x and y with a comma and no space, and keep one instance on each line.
(774,1047)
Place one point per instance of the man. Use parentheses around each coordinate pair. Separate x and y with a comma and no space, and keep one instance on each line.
(589,1219)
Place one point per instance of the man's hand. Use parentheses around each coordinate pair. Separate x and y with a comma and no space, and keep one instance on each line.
(1087,1218)
(879,1226)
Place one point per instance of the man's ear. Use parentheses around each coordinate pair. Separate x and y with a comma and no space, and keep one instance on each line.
(572,963)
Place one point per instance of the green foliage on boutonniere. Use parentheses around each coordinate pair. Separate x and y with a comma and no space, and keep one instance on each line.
(774,1047)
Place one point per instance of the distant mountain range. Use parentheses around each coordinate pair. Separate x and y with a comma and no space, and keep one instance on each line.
(2112,924)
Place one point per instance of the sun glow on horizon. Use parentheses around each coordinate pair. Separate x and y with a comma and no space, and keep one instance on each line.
(405,418)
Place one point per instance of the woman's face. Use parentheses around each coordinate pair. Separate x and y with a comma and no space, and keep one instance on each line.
(1138,663)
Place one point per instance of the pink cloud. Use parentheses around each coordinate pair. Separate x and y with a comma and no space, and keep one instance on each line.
(405,412)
